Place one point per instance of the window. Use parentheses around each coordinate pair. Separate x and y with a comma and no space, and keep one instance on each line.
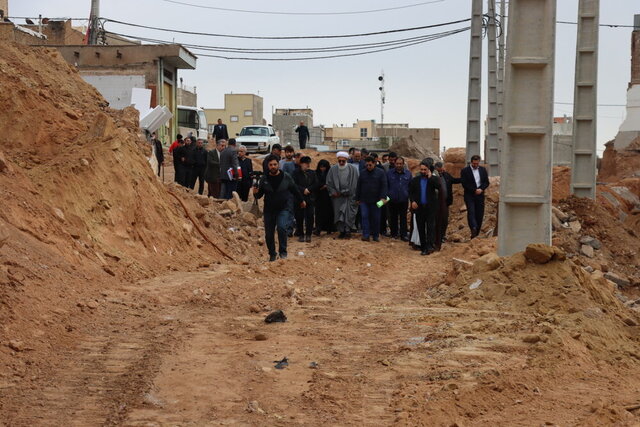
(363,132)
(234,118)
(248,113)
(188,119)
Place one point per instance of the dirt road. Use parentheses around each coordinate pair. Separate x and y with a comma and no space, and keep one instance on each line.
(366,342)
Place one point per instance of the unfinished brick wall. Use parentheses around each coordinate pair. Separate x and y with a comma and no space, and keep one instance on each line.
(635,58)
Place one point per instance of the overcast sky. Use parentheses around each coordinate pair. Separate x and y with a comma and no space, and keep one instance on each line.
(426,84)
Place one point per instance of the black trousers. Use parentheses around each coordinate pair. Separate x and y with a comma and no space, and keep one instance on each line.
(243,189)
(178,173)
(475,210)
(426,222)
(324,213)
(444,222)
(398,218)
(303,143)
(384,217)
(197,174)
(304,220)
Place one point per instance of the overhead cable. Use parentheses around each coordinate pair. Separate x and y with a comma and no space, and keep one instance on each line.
(263,12)
(287,37)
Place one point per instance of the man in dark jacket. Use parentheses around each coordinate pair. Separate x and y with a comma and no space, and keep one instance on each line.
(475,180)
(220,131)
(198,165)
(277,187)
(185,160)
(212,171)
(423,193)
(303,135)
(307,183)
(398,179)
(178,164)
(276,151)
(449,180)
(229,169)
(244,185)
(371,195)
(158,150)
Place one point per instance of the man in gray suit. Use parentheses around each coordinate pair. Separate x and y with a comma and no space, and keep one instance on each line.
(212,171)
(229,169)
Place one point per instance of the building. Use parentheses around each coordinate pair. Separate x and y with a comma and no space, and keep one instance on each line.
(630,128)
(562,141)
(116,70)
(286,120)
(361,131)
(187,95)
(240,109)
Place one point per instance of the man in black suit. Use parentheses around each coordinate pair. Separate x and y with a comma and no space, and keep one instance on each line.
(303,135)
(475,180)
(423,193)
(220,131)
(449,180)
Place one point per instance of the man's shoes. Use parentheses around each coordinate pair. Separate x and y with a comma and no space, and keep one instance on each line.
(424,252)
(474,233)
(307,239)
(301,239)
(376,239)
(404,239)
(316,232)
(342,235)
(365,239)
(348,235)
(272,258)
(283,255)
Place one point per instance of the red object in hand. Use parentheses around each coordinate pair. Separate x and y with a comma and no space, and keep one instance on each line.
(239,173)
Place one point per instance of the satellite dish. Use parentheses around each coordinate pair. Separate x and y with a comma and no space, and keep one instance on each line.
(45,21)
(30,22)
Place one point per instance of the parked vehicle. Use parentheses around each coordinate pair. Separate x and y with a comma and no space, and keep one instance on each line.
(257,139)
(192,119)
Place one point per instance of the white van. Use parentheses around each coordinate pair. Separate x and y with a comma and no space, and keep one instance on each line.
(192,119)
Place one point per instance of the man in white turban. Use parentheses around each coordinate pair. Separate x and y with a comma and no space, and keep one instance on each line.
(342,181)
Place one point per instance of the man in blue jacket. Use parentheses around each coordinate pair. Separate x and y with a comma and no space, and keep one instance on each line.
(398,179)
(423,193)
(371,189)
(475,180)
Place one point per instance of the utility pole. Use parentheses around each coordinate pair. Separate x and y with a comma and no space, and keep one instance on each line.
(383,96)
(492,149)
(500,89)
(94,21)
(585,101)
(526,156)
(475,76)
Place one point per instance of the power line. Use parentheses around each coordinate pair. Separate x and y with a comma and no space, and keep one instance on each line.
(450,33)
(599,105)
(287,37)
(360,46)
(602,25)
(357,12)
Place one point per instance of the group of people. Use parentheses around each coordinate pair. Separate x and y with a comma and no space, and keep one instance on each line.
(224,169)
(365,194)
(359,193)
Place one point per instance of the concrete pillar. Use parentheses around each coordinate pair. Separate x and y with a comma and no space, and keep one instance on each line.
(526,156)
(585,101)
(475,79)
(492,157)
(500,86)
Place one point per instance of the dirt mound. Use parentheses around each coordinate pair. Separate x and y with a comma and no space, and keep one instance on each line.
(409,147)
(81,209)
(577,313)
(617,165)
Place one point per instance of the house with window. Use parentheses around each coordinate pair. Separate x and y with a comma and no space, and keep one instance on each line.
(240,109)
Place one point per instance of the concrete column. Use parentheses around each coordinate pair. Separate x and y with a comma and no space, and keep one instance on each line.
(492,157)
(475,77)
(526,156)
(500,86)
(585,101)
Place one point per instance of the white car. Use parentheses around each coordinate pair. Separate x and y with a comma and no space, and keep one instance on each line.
(257,139)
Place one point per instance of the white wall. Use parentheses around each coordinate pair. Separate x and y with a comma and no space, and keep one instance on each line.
(116,89)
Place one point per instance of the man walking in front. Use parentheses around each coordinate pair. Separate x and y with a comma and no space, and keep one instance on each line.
(277,187)
(198,166)
(229,169)
(307,183)
(212,171)
(342,183)
(303,135)
(220,131)
(371,195)
(424,202)
(398,178)
(449,180)
(475,180)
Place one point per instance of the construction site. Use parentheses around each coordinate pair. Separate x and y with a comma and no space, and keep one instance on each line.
(126,299)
